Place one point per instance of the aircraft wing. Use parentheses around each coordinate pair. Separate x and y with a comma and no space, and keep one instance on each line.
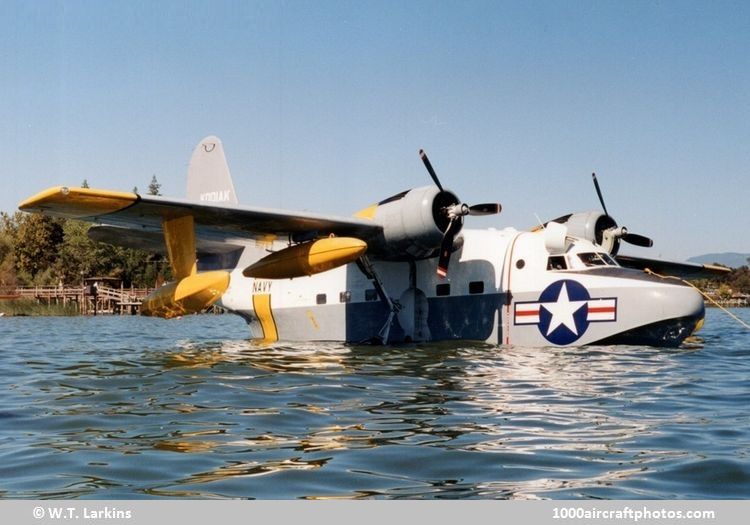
(145,214)
(153,240)
(678,269)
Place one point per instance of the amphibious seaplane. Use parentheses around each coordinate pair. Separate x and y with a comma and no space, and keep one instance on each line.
(401,270)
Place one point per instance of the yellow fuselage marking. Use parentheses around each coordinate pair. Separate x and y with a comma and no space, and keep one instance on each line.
(314,321)
(262,308)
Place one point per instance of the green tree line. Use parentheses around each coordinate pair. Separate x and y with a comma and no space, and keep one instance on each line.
(737,281)
(37,250)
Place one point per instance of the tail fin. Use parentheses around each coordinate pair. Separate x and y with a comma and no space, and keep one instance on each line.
(208,174)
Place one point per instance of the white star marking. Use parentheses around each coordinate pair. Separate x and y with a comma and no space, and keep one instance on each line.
(562,311)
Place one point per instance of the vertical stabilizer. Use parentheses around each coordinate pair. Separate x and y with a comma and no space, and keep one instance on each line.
(208,174)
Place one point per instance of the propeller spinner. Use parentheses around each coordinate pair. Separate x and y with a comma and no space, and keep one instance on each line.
(455,214)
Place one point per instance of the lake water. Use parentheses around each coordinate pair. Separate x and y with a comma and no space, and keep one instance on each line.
(133,407)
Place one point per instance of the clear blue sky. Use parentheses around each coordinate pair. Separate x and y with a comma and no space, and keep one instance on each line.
(323,106)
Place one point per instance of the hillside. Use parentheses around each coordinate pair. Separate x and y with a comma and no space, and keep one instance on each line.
(731,259)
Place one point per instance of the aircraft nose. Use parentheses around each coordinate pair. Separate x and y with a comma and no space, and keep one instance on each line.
(679,301)
(681,310)
(665,316)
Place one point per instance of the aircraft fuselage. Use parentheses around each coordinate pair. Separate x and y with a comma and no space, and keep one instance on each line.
(505,287)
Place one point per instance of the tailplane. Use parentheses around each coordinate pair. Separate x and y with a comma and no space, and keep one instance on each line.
(208,174)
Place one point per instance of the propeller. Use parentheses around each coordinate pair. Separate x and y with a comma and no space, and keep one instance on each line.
(430,170)
(455,213)
(637,240)
(620,233)
(599,193)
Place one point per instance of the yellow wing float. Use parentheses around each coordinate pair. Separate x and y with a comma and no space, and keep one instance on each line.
(191,292)
(184,222)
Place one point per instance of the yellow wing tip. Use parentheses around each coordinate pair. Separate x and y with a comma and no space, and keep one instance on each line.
(78,202)
(35,201)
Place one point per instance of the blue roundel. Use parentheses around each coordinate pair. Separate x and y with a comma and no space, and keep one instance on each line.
(563,312)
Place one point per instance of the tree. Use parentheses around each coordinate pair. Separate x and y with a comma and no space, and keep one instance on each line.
(40,250)
(37,242)
(82,256)
(78,254)
(724,292)
(154,187)
(8,279)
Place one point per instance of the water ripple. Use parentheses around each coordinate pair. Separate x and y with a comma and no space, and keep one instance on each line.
(145,408)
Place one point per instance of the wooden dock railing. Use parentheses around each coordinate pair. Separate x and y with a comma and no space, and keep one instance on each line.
(106,300)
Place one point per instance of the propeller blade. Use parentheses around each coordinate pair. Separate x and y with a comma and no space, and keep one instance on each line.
(599,192)
(428,165)
(485,209)
(446,247)
(638,240)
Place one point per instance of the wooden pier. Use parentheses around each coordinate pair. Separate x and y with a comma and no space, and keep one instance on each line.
(89,300)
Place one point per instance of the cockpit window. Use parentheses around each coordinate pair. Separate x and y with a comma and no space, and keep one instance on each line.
(557,262)
(596,259)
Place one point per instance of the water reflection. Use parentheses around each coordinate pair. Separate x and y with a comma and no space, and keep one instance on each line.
(190,417)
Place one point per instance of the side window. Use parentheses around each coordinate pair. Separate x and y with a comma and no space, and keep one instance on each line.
(320,298)
(476,287)
(557,262)
(371,294)
(592,259)
(443,289)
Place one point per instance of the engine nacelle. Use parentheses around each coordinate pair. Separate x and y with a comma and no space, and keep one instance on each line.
(593,226)
(413,221)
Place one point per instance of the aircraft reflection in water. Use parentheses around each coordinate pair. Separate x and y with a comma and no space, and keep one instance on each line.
(383,274)
(517,405)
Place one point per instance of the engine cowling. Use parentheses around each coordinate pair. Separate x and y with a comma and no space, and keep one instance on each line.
(594,226)
(413,221)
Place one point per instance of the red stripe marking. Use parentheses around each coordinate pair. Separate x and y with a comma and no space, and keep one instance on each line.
(527,312)
(602,310)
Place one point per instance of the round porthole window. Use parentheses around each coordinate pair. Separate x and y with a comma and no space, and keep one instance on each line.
(520,263)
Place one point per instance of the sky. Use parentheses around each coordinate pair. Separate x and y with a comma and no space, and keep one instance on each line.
(322,106)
